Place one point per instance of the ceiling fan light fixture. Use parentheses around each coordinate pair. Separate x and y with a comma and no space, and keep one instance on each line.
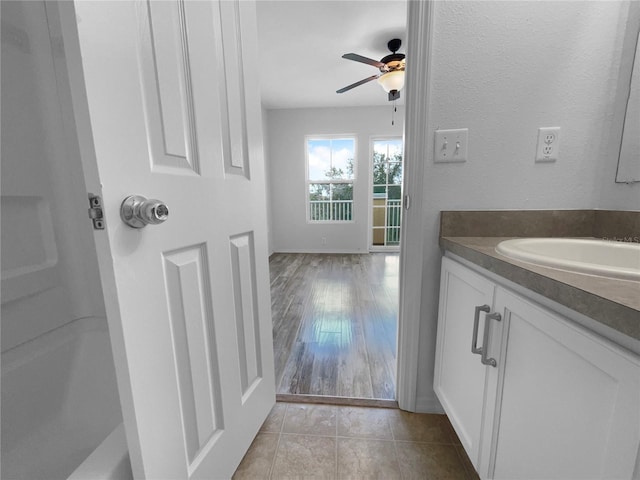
(393,80)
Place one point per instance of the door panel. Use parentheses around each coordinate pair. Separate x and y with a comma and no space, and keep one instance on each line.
(166,76)
(556,380)
(193,329)
(176,117)
(247,327)
(232,94)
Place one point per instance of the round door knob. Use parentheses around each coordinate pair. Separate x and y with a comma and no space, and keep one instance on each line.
(138,211)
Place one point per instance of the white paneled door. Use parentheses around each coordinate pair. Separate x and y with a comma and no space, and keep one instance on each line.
(173,110)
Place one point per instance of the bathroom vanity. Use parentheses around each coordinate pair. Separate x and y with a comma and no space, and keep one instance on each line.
(538,372)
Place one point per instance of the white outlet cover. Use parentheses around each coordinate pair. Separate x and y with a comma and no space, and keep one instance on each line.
(548,146)
(451,146)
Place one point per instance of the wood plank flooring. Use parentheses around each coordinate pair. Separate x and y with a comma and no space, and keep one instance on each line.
(335,323)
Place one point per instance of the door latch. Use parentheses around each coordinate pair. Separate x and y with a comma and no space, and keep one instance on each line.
(95,211)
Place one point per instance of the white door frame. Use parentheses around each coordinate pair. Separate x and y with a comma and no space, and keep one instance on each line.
(412,241)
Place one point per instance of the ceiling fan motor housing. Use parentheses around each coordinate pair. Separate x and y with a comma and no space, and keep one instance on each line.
(395,61)
(392,62)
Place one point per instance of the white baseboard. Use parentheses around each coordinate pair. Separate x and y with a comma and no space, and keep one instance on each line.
(428,405)
(314,250)
(384,250)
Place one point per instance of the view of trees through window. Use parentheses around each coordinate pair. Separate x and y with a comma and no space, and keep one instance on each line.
(330,176)
(387,191)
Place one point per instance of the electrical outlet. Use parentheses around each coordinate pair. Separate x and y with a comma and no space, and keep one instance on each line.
(324,240)
(548,149)
(451,145)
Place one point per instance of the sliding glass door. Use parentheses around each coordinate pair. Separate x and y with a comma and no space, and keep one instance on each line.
(386,193)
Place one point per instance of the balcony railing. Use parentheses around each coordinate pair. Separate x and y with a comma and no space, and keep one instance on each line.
(342,210)
(327,210)
(394,216)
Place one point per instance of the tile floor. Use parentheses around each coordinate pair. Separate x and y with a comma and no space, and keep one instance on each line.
(336,442)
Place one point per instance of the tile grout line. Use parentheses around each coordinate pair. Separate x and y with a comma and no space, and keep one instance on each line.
(363,437)
(392,419)
(275,454)
(395,449)
(427,443)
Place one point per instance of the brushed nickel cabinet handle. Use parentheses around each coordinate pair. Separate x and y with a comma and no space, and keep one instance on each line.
(485,340)
(476,321)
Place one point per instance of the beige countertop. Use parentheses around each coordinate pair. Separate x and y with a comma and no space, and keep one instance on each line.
(612,302)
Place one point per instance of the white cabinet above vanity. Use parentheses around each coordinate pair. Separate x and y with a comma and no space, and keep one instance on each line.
(530,392)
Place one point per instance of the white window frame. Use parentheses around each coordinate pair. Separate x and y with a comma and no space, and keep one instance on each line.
(351,181)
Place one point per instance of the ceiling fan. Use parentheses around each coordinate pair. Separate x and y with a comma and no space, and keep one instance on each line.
(391,76)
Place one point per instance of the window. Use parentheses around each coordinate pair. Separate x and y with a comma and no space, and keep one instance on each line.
(387,192)
(330,178)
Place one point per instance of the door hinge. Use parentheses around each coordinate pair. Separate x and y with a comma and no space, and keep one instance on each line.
(95,211)
(406,203)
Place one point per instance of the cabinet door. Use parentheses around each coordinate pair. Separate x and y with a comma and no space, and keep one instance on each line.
(459,375)
(567,403)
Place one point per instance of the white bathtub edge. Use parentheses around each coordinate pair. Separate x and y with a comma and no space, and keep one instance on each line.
(110,461)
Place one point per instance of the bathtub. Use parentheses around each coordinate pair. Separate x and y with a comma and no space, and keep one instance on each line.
(60,407)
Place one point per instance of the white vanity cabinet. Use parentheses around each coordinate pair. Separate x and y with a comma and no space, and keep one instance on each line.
(560,402)
(459,376)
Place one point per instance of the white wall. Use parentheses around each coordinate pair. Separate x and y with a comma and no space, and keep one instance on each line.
(285,145)
(502,70)
(265,146)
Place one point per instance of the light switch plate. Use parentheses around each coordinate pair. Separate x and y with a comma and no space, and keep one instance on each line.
(451,145)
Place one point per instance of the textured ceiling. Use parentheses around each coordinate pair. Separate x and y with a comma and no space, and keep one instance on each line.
(302,42)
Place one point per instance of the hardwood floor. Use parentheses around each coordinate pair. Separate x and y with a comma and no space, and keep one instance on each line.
(335,323)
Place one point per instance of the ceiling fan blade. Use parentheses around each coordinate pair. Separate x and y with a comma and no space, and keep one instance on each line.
(359,58)
(357,84)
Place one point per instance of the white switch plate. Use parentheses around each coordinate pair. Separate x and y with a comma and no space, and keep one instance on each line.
(451,145)
(548,148)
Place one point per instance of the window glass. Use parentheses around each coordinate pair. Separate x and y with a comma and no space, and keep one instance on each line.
(387,192)
(331,171)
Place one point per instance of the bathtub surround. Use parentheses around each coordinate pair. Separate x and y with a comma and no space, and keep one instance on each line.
(49,268)
(59,400)
(110,461)
(59,393)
